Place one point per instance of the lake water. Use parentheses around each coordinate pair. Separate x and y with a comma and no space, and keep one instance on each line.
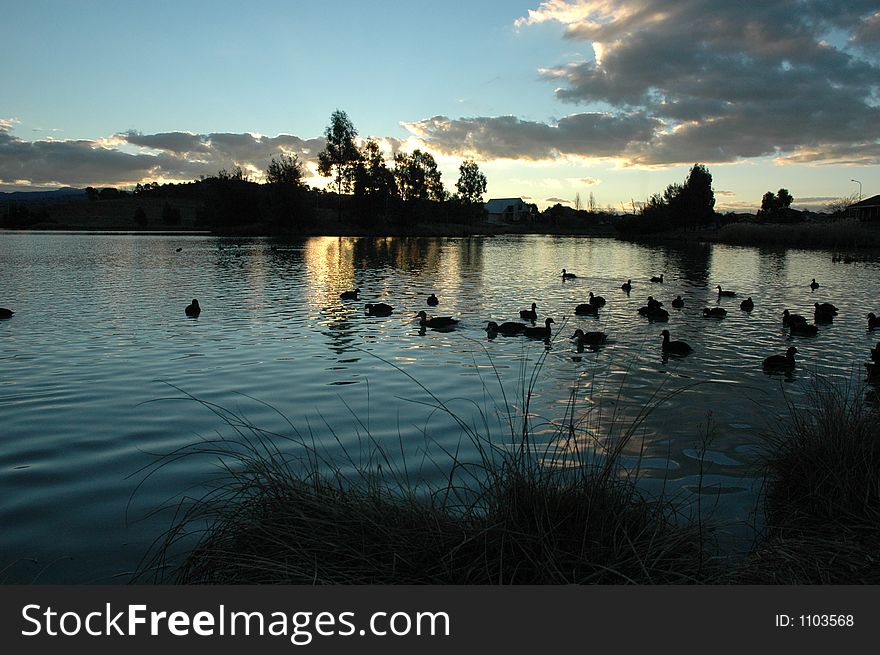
(100,334)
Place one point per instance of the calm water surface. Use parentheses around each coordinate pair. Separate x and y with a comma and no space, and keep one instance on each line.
(100,334)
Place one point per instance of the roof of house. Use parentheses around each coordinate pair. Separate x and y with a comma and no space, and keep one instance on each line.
(500,205)
(873,201)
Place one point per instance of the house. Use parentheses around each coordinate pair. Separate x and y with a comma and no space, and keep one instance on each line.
(866,210)
(509,210)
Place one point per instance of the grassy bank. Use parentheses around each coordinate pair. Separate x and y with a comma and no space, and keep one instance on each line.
(559,513)
(845,234)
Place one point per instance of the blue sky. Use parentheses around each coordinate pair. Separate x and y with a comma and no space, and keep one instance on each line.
(611,97)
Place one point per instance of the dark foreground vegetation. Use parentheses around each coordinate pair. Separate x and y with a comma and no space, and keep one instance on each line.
(559,513)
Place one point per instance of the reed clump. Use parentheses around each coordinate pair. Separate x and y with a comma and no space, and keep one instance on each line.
(840,234)
(822,500)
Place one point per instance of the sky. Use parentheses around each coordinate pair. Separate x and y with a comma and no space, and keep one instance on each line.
(554,100)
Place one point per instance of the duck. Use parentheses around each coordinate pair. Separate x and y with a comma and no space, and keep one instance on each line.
(657,315)
(508,329)
(785,361)
(678,303)
(789,319)
(529,314)
(378,309)
(804,329)
(6,313)
(825,307)
(596,300)
(873,369)
(436,321)
(674,347)
(568,276)
(653,304)
(747,305)
(657,279)
(589,338)
(433,301)
(350,295)
(875,353)
(539,332)
(714,312)
(587,309)
(821,316)
(873,321)
(725,294)
(193,308)
(627,286)
(814,285)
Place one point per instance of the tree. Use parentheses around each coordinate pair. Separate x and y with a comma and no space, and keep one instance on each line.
(698,196)
(340,152)
(285,171)
(577,201)
(374,184)
(591,204)
(772,205)
(471,183)
(417,177)
(839,206)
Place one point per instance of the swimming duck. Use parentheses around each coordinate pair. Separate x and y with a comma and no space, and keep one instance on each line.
(822,316)
(825,307)
(627,286)
(589,338)
(587,309)
(714,312)
(789,319)
(433,301)
(674,347)
(193,308)
(508,329)
(747,305)
(539,332)
(678,303)
(6,313)
(529,314)
(656,315)
(814,285)
(875,353)
(725,294)
(568,276)
(350,295)
(378,309)
(436,321)
(785,361)
(596,300)
(653,304)
(804,329)
(873,321)
(657,279)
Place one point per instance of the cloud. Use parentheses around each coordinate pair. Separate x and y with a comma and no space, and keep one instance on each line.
(554,199)
(178,156)
(721,82)
(592,134)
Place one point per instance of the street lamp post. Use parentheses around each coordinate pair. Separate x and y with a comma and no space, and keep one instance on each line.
(860,188)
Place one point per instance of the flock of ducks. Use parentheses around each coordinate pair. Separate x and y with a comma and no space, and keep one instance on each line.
(653,310)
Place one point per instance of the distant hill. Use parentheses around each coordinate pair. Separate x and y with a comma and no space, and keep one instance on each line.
(67,193)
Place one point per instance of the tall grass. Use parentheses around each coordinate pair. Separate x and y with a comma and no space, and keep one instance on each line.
(822,500)
(521,511)
(842,234)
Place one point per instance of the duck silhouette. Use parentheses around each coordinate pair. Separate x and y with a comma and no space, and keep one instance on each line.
(436,321)
(433,301)
(378,309)
(785,361)
(587,309)
(539,332)
(814,285)
(875,353)
(6,313)
(678,303)
(680,348)
(657,278)
(803,329)
(596,300)
(725,294)
(714,312)
(350,295)
(627,286)
(825,307)
(747,305)
(568,276)
(193,308)
(788,319)
(589,338)
(529,314)
(873,321)
(508,329)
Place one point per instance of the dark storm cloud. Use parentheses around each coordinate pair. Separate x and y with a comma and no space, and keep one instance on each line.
(727,81)
(178,156)
(507,137)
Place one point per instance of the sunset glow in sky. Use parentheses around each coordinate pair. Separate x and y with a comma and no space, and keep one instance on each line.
(617,98)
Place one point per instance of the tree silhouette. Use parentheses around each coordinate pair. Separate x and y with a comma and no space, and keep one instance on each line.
(773,205)
(417,177)
(471,183)
(374,185)
(285,171)
(340,153)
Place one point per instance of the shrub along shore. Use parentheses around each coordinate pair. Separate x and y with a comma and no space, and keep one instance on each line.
(564,513)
